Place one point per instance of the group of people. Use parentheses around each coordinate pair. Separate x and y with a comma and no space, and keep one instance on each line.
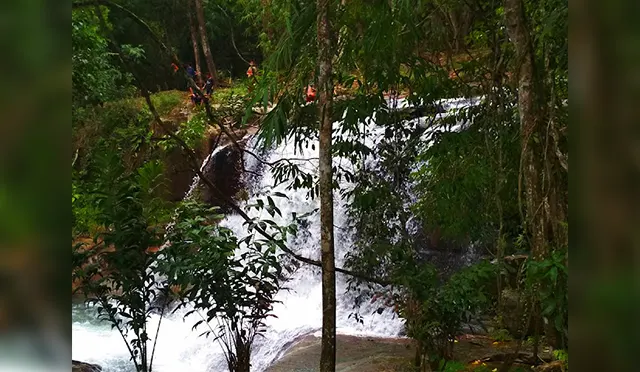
(252,71)
(207,87)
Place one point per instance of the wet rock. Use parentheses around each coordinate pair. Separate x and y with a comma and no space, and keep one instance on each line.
(370,354)
(225,172)
(227,169)
(179,169)
(77,366)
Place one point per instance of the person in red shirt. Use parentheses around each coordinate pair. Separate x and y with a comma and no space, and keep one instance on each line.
(310,94)
(252,70)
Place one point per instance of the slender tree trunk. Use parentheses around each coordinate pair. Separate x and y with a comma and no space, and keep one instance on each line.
(194,41)
(205,42)
(455,27)
(325,98)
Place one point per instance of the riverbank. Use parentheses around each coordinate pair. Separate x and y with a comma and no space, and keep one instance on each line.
(373,354)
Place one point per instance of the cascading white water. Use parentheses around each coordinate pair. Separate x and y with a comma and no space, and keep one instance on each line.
(299,311)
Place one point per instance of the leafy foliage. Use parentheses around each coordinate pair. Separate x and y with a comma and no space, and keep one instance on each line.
(465,174)
(118,131)
(550,277)
(563,356)
(167,101)
(433,311)
(379,208)
(233,282)
(95,77)
(115,273)
(434,314)
(453,366)
(191,132)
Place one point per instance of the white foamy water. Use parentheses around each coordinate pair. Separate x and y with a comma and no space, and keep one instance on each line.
(300,309)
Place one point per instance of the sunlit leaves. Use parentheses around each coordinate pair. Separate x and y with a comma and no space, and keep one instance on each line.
(95,76)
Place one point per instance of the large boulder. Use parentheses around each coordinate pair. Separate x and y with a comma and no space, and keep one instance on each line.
(512,314)
(225,172)
(77,366)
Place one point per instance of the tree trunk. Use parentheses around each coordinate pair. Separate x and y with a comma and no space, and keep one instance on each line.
(529,121)
(325,98)
(243,355)
(417,359)
(194,41)
(205,43)
(455,27)
(533,135)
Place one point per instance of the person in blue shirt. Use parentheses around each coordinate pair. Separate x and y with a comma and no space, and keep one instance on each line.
(191,72)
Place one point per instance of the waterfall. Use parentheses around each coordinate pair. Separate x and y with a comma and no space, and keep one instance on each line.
(299,311)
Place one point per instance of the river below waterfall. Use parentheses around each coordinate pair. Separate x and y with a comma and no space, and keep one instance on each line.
(299,311)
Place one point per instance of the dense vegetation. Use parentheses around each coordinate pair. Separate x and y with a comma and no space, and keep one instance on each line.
(492,175)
